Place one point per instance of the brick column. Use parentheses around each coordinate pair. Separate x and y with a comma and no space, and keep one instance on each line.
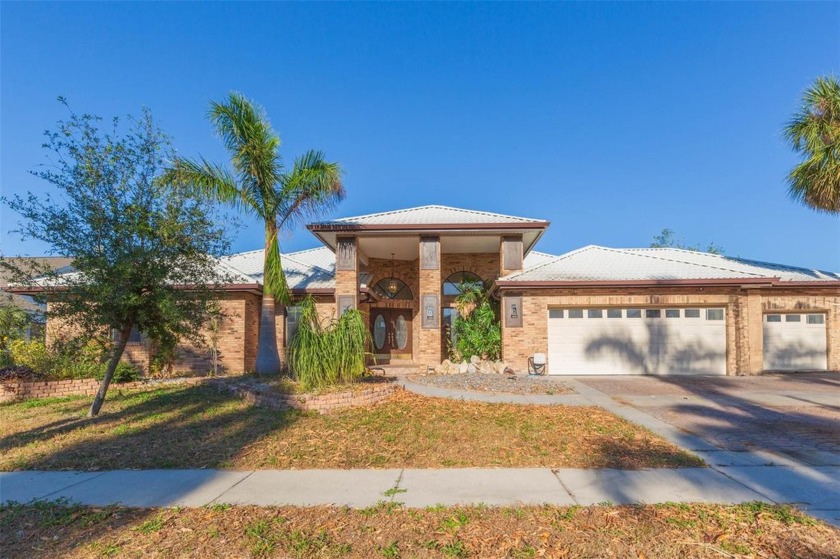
(428,350)
(346,274)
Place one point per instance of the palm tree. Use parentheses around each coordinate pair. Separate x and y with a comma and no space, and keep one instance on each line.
(259,184)
(815,133)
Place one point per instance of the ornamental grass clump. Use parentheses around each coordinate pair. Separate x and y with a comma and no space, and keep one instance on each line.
(322,356)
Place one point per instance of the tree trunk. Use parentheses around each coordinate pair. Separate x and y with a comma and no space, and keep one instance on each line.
(268,359)
(125,333)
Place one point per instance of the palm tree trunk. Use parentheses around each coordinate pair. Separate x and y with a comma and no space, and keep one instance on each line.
(268,358)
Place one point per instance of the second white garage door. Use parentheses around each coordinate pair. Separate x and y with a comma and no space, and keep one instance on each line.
(795,342)
(610,341)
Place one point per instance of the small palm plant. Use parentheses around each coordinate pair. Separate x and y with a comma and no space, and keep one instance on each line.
(477,329)
(324,355)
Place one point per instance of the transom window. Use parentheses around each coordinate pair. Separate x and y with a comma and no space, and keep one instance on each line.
(454,284)
(393,288)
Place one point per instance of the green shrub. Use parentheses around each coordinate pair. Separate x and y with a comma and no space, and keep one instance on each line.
(125,372)
(477,329)
(321,356)
(13,321)
(34,355)
(70,359)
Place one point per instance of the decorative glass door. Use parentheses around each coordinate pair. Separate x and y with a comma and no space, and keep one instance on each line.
(391,333)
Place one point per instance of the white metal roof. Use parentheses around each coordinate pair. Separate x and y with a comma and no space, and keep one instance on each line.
(430,215)
(596,263)
(312,269)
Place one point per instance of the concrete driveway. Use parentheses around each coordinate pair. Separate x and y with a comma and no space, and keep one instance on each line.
(791,418)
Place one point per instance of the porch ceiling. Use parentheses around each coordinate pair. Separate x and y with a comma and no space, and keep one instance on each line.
(406,247)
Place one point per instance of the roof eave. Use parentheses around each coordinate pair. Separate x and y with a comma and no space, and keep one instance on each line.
(425,227)
(727,282)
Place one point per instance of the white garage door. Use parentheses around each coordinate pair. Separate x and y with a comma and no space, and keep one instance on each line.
(610,341)
(794,342)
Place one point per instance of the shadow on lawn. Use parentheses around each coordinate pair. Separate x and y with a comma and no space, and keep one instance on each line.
(184,427)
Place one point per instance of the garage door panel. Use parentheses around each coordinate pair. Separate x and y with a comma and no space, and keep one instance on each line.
(791,345)
(675,345)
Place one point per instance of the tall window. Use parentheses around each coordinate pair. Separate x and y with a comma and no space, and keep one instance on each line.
(393,288)
(454,284)
(292,318)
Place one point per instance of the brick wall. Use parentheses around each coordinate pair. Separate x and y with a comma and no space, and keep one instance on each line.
(11,391)
(744,317)
(321,403)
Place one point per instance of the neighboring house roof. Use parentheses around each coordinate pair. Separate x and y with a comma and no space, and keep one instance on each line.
(602,264)
(430,215)
(311,269)
(233,279)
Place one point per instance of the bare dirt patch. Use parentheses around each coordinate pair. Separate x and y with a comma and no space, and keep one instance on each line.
(668,531)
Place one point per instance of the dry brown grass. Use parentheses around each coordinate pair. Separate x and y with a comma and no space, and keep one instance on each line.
(196,427)
(653,531)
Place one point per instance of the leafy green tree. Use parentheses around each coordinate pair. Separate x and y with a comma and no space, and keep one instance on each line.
(478,330)
(137,244)
(261,185)
(668,239)
(814,133)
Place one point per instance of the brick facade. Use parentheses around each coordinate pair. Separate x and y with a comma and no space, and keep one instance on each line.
(744,317)
(236,340)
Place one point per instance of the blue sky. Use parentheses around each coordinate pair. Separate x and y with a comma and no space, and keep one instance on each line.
(613,121)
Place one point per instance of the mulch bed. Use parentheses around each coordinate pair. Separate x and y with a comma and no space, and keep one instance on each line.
(495,383)
(653,531)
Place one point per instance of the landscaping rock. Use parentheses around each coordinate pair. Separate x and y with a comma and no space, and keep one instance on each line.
(496,383)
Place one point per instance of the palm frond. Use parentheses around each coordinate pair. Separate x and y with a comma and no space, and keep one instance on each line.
(211,180)
(313,186)
(814,132)
(252,144)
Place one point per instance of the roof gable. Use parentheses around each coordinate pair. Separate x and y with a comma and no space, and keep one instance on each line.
(431,215)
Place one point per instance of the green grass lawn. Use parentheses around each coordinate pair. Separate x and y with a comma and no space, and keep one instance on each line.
(198,427)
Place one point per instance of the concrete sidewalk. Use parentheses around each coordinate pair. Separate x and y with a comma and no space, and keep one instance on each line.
(363,488)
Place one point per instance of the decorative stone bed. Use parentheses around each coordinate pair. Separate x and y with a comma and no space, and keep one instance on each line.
(490,382)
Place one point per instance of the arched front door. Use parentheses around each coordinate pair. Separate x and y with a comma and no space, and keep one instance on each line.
(390,331)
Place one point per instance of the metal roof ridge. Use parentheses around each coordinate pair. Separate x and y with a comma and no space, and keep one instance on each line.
(627,251)
(428,206)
